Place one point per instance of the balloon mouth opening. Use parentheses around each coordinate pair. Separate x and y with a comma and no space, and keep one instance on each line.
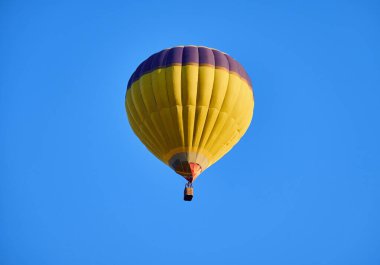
(188,164)
(189,170)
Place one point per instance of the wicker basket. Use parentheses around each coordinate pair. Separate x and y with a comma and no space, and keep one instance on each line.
(188,194)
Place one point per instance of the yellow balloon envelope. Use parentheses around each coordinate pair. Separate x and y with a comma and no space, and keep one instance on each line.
(189,106)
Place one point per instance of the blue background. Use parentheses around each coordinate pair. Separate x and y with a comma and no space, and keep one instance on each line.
(302,186)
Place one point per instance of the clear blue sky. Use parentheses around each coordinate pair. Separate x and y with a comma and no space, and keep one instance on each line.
(77,187)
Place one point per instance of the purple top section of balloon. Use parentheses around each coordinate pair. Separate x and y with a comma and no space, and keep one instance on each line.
(189,55)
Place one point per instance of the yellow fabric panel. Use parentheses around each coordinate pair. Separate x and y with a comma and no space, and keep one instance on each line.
(228,129)
(230,100)
(240,127)
(219,89)
(145,126)
(139,130)
(160,93)
(144,116)
(189,85)
(173,86)
(233,129)
(236,112)
(146,142)
(205,88)
(145,85)
(221,80)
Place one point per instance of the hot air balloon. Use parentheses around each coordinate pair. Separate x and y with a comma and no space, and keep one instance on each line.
(189,105)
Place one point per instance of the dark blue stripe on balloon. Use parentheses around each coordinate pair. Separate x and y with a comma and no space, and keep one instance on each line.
(188,55)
